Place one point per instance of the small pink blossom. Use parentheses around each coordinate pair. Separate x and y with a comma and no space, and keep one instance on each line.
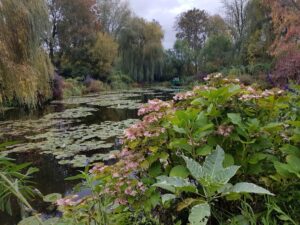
(183,95)
(129,191)
(121,201)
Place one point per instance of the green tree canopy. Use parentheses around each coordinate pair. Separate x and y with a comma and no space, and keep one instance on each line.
(25,69)
(141,50)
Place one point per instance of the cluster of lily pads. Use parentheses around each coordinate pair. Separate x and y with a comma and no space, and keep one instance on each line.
(66,137)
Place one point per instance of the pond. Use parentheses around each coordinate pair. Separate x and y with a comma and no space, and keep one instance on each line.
(69,134)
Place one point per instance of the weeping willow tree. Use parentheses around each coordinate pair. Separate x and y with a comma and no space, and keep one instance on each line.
(25,69)
(141,50)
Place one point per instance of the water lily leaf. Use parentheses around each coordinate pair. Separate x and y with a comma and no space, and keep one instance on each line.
(199,214)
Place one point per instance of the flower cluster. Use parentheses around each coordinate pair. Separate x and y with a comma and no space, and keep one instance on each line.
(212,76)
(253,94)
(225,130)
(123,181)
(154,105)
(184,95)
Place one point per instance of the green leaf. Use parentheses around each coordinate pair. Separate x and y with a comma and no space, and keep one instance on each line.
(294,163)
(29,220)
(213,167)
(273,127)
(174,184)
(282,169)
(181,143)
(211,174)
(194,167)
(213,162)
(245,187)
(257,157)
(228,160)
(167,197)
(199,214)
(290,150)
(188,202)
(235,118)
(204,151)
(179,129)
(52,197)
(179,171)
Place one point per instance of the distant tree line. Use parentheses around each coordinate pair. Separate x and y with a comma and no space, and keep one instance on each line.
(254,38)
(103,38)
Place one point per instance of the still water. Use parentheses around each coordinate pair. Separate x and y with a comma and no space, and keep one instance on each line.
(66,135)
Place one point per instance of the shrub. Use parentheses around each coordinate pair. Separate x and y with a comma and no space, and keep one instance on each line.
(72,87)
(95,86)
(118,80)
(173,166)
(287,69)
(58,86)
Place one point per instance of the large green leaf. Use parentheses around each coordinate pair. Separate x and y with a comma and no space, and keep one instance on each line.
(179,171)
(235,118)
(199,214)
(194,167)
(167,197)
(245,187)
(174,184)
(213,162)
(213,167)
(181,143)
(212,173)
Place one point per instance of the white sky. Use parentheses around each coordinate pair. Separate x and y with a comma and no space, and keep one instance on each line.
(166,11)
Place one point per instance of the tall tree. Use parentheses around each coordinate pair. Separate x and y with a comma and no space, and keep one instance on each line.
(286,24)
(54,16)
(259,33)
(286,46)
(103,54)
(192,27)
(217,26)
(112,15)
(25,69)
(76,32)
(236,18)
(141,50)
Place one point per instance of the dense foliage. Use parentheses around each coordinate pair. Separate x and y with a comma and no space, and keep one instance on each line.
(25,69)
(251,34)
(172,169)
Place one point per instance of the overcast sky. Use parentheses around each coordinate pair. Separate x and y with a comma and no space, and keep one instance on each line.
(165,12)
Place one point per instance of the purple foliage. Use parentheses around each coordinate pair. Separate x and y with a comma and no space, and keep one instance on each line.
(88,80)
(58,85)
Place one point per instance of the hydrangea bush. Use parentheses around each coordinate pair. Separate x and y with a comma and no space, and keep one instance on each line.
(176,164)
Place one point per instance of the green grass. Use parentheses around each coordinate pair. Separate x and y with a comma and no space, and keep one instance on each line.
(7,144)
